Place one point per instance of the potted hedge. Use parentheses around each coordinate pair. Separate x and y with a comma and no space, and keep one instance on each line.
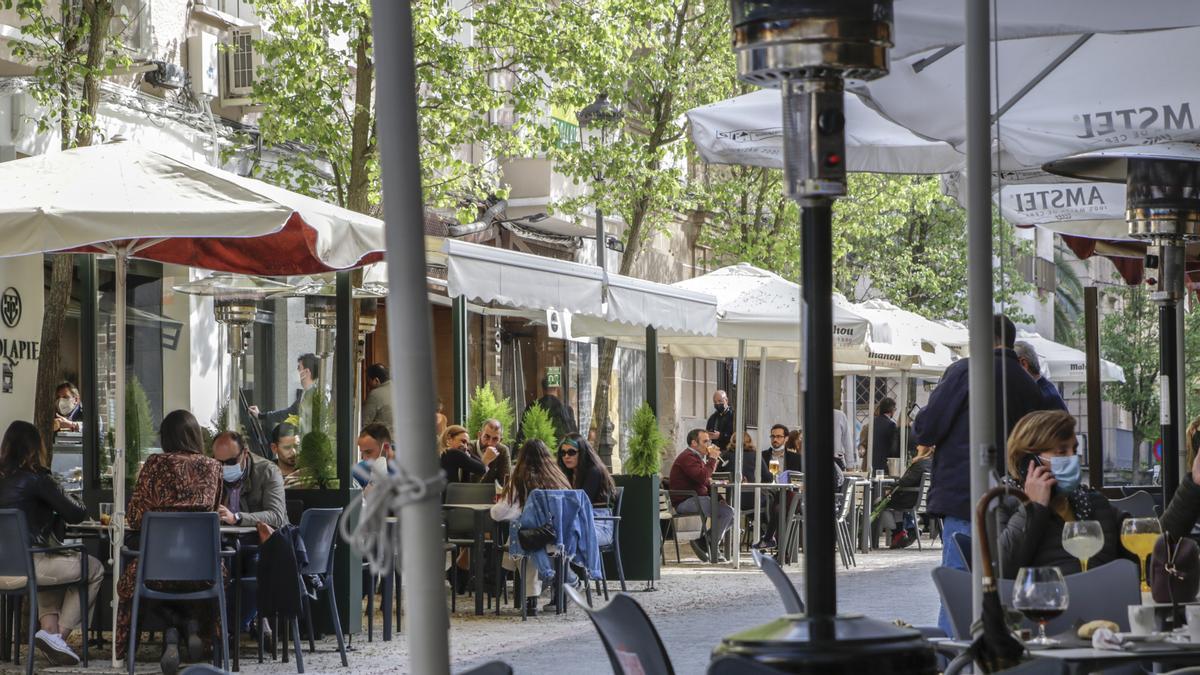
(486,404)
(537,424)
(640,533)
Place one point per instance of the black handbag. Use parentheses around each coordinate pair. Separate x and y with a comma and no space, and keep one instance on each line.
(1174,570)
(534,538)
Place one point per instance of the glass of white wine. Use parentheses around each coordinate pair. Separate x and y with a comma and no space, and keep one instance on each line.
(1138,536)
(773,467)
(1083,539)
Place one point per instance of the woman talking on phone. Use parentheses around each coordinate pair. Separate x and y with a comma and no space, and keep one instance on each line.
(1042,461)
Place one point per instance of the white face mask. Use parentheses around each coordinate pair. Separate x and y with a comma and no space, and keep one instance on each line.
(65,406)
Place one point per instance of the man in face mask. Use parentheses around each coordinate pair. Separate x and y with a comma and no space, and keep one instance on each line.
(252,492)
(720,423)
(375,448)
(68,412)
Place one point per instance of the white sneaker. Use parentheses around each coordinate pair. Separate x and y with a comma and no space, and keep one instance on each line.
(55,648)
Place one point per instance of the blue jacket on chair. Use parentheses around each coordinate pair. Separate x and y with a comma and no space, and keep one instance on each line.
(569,512)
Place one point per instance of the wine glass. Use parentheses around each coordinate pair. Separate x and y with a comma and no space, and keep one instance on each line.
(1040,593)
(1083,539)
(773,467)
(1138,536)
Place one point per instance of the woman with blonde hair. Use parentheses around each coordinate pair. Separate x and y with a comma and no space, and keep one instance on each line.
(458,461)
(1042,461)
(902,502)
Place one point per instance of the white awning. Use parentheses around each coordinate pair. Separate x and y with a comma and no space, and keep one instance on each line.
(486,274)
(645,303)
(489,275)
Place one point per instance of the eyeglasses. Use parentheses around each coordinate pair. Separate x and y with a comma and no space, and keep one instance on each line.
(233,461)
(778,436)
(569,452)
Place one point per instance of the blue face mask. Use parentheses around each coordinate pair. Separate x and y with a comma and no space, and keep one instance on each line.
(232,473)
(1066,471)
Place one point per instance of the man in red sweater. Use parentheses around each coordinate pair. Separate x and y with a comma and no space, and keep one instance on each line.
(692,470)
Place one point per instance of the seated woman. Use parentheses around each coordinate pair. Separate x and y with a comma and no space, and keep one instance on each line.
(1043,463)
(26,484)
(1183,512)
(535,470)
(903,502)
(585,471)
(181,478)
(458,458)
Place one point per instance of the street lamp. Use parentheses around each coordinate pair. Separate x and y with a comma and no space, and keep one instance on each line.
(602,116)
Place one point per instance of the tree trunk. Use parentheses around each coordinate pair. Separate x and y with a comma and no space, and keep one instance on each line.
(48,373)
(361,145)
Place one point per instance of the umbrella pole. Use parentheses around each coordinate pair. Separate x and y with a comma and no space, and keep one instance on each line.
(903,421)
(981,375)
(409,334)
(762,424)
(869,466)
(735,540)
(118,425)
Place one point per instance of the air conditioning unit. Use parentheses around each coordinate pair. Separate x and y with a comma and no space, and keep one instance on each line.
(204,53)
(167,76)
(241,66)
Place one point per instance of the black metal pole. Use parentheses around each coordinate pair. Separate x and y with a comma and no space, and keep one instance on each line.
(817,278)
(1169,405)
(652,369)
(458,321)
(89,380)
(1095,426)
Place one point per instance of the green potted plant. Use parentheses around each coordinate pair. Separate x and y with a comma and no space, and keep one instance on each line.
(640,533)
(139,428)
(537,424)
(316,460)
(486,404)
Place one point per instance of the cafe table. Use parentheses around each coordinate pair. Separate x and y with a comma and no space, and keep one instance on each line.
(784,521)
(481,513)
(1080,660)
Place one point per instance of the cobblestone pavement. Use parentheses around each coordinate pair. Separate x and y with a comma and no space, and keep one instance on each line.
(694,607)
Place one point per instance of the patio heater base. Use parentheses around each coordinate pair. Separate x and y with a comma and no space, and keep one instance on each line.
(847,644)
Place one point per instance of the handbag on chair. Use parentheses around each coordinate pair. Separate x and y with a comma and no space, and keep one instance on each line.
(1174,570)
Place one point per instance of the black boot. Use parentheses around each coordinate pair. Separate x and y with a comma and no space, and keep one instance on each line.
(170,656)
(531,608)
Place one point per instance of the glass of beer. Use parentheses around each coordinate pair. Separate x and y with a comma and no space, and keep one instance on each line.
(106,510)
(773,467)
(1138,536)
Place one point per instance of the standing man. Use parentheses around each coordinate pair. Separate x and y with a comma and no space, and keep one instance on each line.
(945,425)
(308,369)
(886,439)
(1028,358)
(561,415)
(692,471)
(721,423)
(843,441)
(378,408)
(489,438)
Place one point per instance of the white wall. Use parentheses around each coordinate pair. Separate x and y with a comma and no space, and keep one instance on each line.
(24,274)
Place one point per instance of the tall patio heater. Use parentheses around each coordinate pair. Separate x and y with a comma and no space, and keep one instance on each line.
(807,48)
(235,298)
(1162,207)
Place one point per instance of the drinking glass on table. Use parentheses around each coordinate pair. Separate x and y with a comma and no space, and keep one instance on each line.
(1138,536)
(773,467)
(1083,539)
(878,475)
(106,510)
(1040,593)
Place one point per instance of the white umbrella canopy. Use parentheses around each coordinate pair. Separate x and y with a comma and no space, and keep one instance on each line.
(900,331)
(748,130)
(130,201)
(1061,363)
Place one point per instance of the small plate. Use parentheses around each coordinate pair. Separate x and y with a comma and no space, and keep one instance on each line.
(1153,637)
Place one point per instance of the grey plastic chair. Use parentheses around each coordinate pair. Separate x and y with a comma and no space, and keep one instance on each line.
(490,668)
(1138,505)
(202,669)
(318,530)
(16,560)
(628,635)
(732,664)
(1105,592)
(179,547)
(792,604)
(962,542)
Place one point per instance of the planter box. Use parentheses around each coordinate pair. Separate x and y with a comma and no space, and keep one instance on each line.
(640,533)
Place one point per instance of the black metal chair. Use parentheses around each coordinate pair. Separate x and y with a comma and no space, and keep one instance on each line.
(16,560)
(615,547)
(202,669)
(460,526)
(318,530)
(629,636)
(179,547)
(922,496)
(792,604)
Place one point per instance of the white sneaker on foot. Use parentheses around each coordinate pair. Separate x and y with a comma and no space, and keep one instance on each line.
(55,648)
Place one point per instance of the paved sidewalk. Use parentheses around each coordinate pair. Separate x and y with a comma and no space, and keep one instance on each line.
(694,607)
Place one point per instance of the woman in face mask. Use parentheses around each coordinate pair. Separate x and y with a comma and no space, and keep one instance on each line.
(1043,461)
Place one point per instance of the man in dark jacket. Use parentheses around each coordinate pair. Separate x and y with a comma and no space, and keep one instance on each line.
(886,436)
(944,424)
(1028,357)
(720,423)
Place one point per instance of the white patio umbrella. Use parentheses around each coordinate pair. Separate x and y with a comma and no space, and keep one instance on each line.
(1061,363)
(128,201)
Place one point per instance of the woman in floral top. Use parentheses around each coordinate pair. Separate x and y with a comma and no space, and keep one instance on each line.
(179,479)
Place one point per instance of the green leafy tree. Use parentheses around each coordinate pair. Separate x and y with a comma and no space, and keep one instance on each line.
(537,424)
(485,405)
(1129,338)
(72,48)
(646,443)
(1068,300)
